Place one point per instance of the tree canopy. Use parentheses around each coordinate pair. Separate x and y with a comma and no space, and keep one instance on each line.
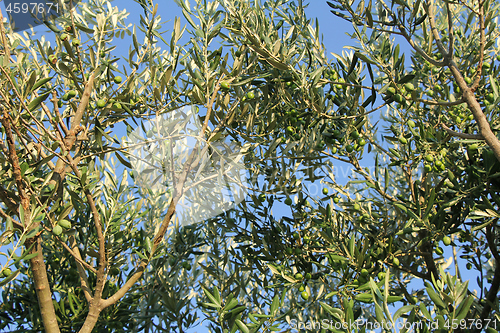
(200,175)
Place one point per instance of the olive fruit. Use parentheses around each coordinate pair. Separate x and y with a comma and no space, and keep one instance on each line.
(305,295)
(101,103)
(409,86)
(299,276)
(118,79)
(53,59)
(224,85)
(398,98)
(446,240)
(6,272)
(65,224)
(288,201)
(75,42)
(262,197)
(57,230)
(325,191)
(250,95)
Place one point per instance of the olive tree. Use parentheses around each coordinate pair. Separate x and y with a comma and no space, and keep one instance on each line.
(92,248)
(347,255)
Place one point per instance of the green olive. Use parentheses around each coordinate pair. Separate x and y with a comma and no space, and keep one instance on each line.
(57,230)
(65,224)
(409,86)
(473,146)
(6,272)
(101,103)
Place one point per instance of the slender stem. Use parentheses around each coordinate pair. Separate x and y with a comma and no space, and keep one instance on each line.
(462,135)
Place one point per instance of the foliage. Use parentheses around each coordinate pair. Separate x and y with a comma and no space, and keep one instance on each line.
(259,81)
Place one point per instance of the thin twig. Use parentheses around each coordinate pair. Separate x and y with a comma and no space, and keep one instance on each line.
(462,135)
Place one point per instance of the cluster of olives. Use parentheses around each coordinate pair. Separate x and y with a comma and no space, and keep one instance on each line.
(67,36)
(351,143)
(60,227)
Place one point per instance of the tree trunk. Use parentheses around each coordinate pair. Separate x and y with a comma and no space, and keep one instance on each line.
(42,288)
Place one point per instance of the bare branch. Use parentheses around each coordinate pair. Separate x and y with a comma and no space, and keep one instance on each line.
(482,42)
(462,135)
